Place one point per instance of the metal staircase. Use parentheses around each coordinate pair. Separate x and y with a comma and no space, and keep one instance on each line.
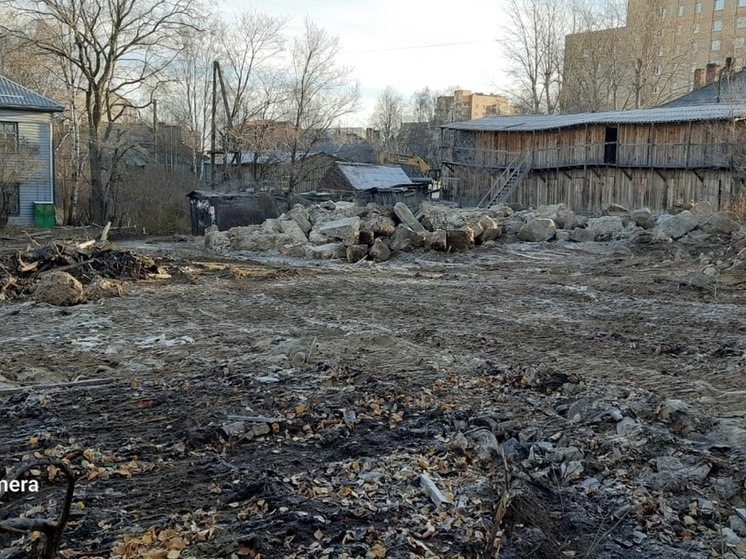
(507,183)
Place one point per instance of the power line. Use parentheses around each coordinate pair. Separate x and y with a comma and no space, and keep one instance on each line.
(414,47)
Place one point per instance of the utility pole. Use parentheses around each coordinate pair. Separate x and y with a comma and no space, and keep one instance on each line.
(155,131)
(212,132)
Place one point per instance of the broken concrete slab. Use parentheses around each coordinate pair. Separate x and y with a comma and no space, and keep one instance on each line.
(491,230)
(615,210)
(346,228)
(459,239)
(329,251)
(299,214)
(407,217)
(294,231)
(294,250)
(438,240)
(405,239)
(379,225)
(103,288)
(537,230)
(217,241)
(606,228)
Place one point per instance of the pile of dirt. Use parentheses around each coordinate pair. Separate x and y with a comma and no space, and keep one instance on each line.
(65,273)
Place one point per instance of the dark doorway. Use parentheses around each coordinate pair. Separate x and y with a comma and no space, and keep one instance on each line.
(610,147)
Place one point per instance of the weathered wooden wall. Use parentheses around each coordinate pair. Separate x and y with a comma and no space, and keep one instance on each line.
(653,166)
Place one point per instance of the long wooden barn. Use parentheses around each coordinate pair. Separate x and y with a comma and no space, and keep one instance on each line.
(640,158)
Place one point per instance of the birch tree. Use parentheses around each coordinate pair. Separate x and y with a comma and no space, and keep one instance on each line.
(387,118)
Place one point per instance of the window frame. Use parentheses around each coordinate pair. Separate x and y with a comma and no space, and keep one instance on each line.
(14,208)
(9,129)
(721,4)
(716,45)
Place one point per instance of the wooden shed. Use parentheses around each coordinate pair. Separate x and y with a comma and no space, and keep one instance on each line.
(640,158)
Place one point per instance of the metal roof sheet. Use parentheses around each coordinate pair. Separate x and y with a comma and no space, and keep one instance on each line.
(364,176)
(15,96)
(529,123)
(730,90)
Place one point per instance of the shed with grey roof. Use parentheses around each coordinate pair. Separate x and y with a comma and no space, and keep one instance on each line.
(26,151)
(639,158)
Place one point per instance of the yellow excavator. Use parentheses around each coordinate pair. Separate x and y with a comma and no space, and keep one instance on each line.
(412,165)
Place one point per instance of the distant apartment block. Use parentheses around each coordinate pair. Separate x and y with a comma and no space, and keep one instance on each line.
(666,48)
(465,105)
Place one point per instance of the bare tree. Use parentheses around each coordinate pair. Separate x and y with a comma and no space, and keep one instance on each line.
(533,42)
(319,93)
(117,45)
(387,117)
(248,49)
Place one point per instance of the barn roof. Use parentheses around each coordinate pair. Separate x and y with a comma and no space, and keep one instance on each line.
(363,176)
(529,123)
(15,96)
(728,91)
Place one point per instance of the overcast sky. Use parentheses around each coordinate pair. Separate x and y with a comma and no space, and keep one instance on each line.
(393,42)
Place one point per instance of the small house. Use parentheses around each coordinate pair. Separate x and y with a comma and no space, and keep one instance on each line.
(365,182)
(26,156)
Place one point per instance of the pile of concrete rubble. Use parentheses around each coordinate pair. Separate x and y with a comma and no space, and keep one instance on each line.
(343,230)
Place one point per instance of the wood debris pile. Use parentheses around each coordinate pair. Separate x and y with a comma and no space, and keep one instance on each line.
(87,261)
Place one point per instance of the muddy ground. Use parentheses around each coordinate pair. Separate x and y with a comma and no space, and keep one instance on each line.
(568,400)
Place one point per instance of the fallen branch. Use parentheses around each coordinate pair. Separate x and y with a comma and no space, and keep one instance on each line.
(72,384)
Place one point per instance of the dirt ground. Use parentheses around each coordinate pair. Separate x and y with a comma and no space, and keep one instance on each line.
(569,400)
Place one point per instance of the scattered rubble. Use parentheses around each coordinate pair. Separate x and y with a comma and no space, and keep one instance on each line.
(446,228)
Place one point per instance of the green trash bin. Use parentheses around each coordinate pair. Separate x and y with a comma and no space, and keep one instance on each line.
(44,217)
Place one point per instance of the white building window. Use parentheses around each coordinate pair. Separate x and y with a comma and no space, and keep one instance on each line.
(657,90)
(661,12)
(681,10)
(742,3)
(715,45)
(658,70)
(741,21)
(695,47)
(697,28)
(660,51)
(719,5)
(698,8)
(738,43)
(717,25)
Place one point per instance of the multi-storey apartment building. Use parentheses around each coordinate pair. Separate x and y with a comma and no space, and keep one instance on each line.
(663,51)
(465,105)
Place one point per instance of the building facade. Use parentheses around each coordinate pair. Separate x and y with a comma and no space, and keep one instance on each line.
(26,151)
(666,48)
(465,105)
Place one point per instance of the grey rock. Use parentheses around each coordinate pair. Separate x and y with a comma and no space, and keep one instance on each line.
(537,231)
(730,537)
(579,235)
(737,524)
(491,230)
(644,218)
(294,250)
(566,454)
(677,226)
(328,251)
(562,235)
(627,427)
(486,443)
(299,214)
(615,210)
(379,251)
(721,223)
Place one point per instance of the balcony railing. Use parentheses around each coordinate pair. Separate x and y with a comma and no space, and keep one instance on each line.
(661,156)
